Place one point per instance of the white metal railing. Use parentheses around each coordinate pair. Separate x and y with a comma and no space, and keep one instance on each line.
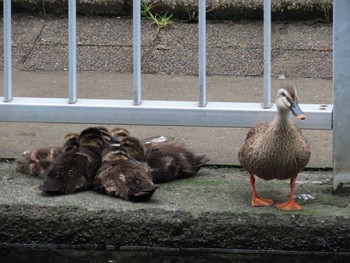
(187,113)
(194,113)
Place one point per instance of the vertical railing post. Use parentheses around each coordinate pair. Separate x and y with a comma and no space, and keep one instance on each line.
(267,54)
(7,51)
(137,50)
(202,52)
(72,52)
(341,92)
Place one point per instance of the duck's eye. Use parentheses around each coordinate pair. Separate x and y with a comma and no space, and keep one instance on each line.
(283,94)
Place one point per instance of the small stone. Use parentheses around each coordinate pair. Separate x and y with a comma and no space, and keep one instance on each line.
(282,76)
(162,47)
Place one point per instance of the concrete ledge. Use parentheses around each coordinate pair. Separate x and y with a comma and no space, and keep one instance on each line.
(79,227)
(210,210)
(216,9)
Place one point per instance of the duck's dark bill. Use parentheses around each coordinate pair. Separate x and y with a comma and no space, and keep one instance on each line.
(297,112)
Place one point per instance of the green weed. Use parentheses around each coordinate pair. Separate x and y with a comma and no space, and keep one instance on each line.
(160,20)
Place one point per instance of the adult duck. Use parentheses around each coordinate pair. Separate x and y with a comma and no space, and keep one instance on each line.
(277,150)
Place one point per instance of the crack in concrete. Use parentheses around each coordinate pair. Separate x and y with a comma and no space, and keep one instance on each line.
(24,59)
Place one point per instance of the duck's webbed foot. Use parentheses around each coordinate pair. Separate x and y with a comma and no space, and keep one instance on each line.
(260,201)
(290,205)
(256,200)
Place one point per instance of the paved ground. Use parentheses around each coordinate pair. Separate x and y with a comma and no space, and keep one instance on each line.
(302,55)
(300,49)
(210,210)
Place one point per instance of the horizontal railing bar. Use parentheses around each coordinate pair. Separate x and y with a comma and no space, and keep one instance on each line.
(168,113)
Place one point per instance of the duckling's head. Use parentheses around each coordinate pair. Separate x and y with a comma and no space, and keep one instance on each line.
(287,100)
(134,147)
(92,137)
(141,189)
(107,136)
(119,132)
(114,153)
(70,141)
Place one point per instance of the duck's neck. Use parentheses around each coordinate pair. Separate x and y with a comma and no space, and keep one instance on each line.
(282,119)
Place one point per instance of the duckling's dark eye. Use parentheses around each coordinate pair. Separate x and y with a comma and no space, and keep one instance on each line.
(283,94)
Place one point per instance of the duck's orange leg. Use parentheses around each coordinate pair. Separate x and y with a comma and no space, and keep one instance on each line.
(290,205)
(256,200)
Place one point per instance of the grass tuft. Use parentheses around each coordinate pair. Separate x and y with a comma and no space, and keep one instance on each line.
(160,20)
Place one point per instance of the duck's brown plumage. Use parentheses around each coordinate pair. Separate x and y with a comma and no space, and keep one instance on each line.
(277,150)
(75,169)
(119,176)
(170,160)
(37,161)
(134,147)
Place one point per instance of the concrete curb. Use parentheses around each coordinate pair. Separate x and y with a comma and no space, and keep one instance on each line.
(209,211)
(81,228)
(216,9)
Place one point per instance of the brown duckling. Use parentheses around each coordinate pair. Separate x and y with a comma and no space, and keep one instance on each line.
(277,150)
(122,177)
(37,161)
(134,147)
(170,160)
(75,169)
